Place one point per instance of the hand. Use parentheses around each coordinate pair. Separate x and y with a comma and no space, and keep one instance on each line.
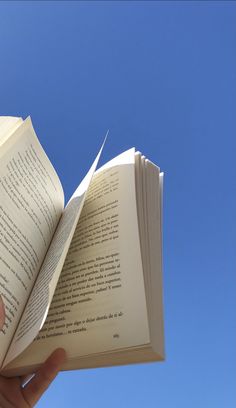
(12,395)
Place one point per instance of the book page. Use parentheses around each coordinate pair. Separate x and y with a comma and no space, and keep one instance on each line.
(99,304)
(38,305)
(31,204)
(8,125)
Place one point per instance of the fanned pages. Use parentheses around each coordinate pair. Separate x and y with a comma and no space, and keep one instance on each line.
(31,204)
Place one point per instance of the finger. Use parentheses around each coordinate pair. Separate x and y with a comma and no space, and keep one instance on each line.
(2,313)
(4,402)
(43,377)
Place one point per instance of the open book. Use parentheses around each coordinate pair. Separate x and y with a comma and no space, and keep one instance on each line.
(87,276)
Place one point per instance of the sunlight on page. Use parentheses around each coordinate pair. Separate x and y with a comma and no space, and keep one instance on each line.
(31,204)
(99,304)
(38,304)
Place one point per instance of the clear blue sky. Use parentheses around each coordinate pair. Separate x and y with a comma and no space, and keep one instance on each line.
(161,76)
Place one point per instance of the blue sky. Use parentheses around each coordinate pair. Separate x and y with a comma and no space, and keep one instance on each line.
(161,77)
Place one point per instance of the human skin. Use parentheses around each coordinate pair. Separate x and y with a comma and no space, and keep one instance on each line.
(12,392)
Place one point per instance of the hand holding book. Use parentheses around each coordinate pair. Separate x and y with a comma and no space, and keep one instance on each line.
(87,277)
(20,392)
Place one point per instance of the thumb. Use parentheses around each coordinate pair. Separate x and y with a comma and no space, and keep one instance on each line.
(2,313)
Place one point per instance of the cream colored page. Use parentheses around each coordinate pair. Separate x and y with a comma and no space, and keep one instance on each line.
(8,125)
(31,203)
(99,303)
(37,307)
